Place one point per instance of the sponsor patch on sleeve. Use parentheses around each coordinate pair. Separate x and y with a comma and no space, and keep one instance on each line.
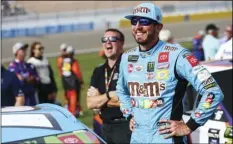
(192,60)
(203,75)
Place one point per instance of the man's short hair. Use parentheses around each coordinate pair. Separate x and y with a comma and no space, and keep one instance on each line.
(122,37)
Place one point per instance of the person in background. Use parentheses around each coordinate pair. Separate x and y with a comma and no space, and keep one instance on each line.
(211,42)
(225,51)
(11,89)
(101,53)
(63,47)
(166,35)
(227,34)
(47,88)
(25,72)
(72,80)
(102,92)
(197,49)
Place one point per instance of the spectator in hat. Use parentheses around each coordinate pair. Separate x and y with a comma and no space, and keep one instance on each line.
(197,49)
(25,72)
(211,42)
(47,88)
(72,80)
(166,35)
(227,34)
(63,47)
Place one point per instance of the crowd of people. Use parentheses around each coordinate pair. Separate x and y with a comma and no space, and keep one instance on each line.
(36,79)
(138,93)
(208,46)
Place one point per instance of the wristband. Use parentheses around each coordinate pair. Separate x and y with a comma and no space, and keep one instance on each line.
(108,96)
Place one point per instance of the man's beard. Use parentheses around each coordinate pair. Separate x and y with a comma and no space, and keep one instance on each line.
(148,40)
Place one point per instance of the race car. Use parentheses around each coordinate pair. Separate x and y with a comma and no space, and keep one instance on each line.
(44,123)
(218,129)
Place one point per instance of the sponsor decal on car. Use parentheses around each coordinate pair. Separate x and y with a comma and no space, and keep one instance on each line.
(213,136)
(163,57)
(218,115)
(228,134)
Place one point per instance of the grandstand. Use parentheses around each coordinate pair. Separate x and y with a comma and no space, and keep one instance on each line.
(63,6)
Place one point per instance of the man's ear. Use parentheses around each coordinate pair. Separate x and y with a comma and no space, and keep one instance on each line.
(160,27)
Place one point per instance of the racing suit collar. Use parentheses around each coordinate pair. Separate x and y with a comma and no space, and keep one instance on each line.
(152,50)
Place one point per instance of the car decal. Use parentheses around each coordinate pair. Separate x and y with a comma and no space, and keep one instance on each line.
(81,136)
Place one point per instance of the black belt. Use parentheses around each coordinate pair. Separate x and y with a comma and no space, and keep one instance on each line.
(116,121)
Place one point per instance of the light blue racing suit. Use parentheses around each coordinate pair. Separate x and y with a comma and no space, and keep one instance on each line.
(151,87)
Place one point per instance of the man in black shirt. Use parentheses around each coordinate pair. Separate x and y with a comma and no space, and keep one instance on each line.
(101,94)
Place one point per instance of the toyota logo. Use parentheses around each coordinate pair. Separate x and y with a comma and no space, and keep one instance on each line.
(193,60)
(163,57)
(71,140)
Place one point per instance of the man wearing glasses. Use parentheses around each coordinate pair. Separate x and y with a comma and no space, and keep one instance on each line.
(152,82)
(101,94)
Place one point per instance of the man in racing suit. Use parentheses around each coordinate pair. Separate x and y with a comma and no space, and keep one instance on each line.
(25,72)
(152,82)
(72,80)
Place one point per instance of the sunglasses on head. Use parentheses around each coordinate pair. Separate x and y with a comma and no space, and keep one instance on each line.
(142,21)
(111,39)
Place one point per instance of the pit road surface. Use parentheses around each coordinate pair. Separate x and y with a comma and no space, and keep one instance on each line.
(90,41)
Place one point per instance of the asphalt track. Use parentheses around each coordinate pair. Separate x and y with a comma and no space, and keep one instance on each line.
(90,41)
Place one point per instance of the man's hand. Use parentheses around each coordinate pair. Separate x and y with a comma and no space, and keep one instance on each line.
(93,91)
(175,128)
(30,79)
(132,124)
(20,77)
(52,96)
